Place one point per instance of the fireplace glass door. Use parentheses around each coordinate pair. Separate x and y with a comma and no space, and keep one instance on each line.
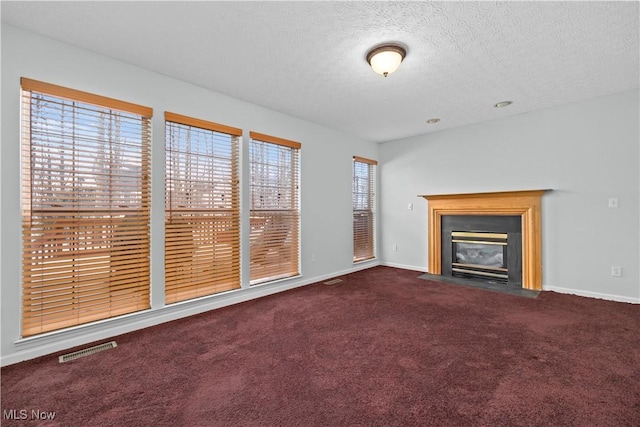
(479,255)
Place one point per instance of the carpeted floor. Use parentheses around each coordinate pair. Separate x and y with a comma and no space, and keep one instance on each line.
(381,348)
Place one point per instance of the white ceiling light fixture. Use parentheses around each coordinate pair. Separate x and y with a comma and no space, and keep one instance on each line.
(386,58)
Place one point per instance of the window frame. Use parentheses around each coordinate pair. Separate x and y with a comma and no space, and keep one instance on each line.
(274,231)
(86,224)
(202,242)
(364,210)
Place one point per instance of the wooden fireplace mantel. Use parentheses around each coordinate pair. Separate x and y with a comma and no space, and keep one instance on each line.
(526,204)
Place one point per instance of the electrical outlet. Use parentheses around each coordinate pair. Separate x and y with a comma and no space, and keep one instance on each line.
(613,202)
(616,271)
(313,258)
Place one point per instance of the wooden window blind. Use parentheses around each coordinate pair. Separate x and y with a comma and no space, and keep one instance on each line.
(275,216)
(202,208)
(85,164)
(363,209)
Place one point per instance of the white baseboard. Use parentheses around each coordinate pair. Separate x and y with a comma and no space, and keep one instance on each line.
(30,348)
(404,267)
(578,292)
(590,294)
(41,345)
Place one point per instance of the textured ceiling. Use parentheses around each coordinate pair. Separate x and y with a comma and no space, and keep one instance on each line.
(307,59)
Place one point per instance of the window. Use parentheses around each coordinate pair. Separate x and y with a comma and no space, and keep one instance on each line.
(275,212)
(363,208)
(85,207)
(202,208)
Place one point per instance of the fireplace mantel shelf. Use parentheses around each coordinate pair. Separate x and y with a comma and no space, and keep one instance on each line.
(513,193)
(525,203)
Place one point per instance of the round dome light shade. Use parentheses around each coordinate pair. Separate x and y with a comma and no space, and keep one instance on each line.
(386,59)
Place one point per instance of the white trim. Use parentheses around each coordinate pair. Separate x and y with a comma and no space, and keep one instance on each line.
(364,261)
(267,281)
(30,348)
(599,295)
(362,265)
(41,345)
(405,267)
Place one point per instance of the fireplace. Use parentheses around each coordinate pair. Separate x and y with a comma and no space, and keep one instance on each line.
(484,257)
(484,247)
(523,265)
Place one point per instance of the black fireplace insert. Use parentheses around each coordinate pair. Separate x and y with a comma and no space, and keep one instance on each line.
(483,247)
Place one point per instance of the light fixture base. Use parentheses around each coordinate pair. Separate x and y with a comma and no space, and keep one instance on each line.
(503,104)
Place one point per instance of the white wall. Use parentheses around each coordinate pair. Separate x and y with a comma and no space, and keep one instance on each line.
(585,152)
(326,177)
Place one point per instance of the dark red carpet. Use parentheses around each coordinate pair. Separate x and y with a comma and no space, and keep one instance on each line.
(383,348)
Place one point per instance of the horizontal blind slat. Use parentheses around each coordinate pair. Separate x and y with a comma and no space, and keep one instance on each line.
(204,124)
